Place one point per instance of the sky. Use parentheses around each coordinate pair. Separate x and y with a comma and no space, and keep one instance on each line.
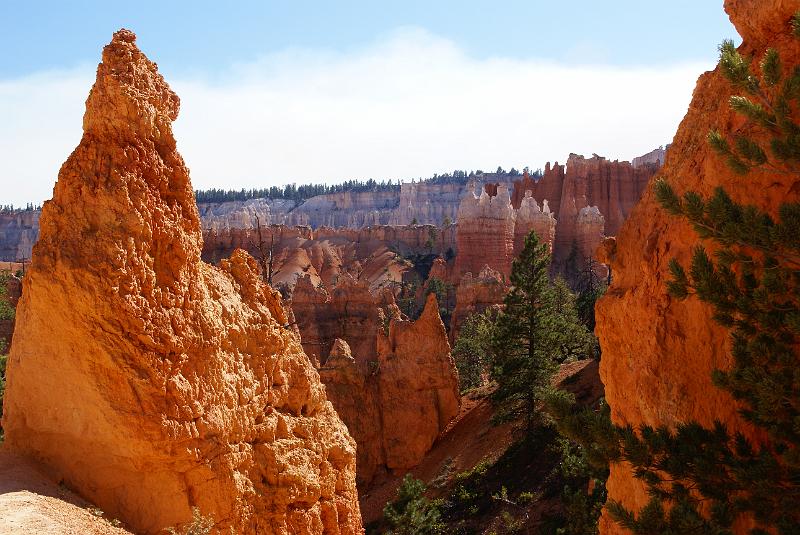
(274,92)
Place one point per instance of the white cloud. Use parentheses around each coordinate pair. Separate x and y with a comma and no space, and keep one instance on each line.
(408,106)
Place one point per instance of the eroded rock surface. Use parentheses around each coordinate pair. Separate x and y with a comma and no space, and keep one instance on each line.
(658,353)
(476,294)
(392,381)
(149,381)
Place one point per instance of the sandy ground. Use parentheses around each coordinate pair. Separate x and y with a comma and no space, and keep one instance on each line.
(32,504)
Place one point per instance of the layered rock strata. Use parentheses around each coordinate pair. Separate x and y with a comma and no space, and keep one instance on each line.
(485,232)
(18,232)
(658,353)
(149,381)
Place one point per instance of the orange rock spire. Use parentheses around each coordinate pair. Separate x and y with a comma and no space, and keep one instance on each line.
(147,380)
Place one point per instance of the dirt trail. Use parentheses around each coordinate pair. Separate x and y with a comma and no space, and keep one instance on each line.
(30,503)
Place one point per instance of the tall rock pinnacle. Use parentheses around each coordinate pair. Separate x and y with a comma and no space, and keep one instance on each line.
(146,380)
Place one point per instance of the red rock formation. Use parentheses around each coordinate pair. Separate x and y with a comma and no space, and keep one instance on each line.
(485,232)
(418,386)
(530,217)
(373,254)
(149,381)
(491,232)
(397,388)
(658,354)
(612,187)
(349,311)
(548,188)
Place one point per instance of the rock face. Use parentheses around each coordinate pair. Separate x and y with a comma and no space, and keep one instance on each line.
(485,232)
(654,157)
(658,354)
(476,294)
(491,231)
(147,380)
(428,204)
(392,381)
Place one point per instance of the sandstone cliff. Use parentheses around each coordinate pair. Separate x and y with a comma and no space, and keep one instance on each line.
(149,381)
(485,232)
(658,354)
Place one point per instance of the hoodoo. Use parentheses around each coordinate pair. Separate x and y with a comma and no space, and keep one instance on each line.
(659,353)
(149,381)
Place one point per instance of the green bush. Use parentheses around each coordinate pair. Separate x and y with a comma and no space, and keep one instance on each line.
(412,513)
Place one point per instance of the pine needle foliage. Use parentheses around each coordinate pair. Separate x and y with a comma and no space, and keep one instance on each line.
(412,513)
(472,349)
(702,480)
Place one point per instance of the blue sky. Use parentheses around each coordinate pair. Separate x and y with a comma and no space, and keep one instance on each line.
(275,92)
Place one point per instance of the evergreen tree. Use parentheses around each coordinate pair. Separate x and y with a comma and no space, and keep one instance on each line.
(472,349)
(524,342)
(572,340)
(412,513)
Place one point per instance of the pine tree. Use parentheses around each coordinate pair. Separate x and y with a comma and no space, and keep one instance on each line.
(524,342)
(412,513)
(572,339)
(472,349)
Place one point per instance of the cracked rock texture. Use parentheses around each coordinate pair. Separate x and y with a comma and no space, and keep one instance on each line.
(149,381)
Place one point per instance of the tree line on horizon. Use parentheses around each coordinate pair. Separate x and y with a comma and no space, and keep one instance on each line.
(301,193)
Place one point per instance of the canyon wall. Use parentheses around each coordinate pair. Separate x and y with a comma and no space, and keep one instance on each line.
(659,353)
(149,381)
(427,204)
(616,185)
(474,294)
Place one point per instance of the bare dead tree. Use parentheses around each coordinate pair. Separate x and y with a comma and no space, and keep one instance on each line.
(266,256)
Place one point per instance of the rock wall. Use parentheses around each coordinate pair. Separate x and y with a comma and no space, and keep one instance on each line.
(658,354)
(245,214)
(346,209)
(654,157)
(147,380)
(428,204)
(474,294)
(392,381)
